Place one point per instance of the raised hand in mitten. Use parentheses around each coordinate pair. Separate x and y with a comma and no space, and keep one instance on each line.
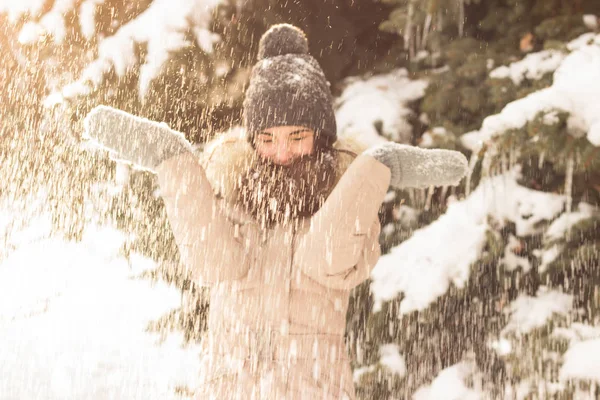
(420,168)
(133,139)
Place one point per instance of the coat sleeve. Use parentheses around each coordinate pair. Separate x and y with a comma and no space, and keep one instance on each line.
(342,244)
(210,244)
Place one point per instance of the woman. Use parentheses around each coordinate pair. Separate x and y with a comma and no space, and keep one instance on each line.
(281,223)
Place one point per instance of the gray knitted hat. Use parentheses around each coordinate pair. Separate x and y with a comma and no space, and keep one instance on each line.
(288,87)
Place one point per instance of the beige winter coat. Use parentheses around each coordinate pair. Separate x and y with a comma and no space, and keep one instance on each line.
(278,296)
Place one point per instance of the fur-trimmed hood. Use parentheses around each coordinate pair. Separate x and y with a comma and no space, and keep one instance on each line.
(225,158)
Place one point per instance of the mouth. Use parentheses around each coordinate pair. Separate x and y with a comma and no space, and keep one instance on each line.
(286,164)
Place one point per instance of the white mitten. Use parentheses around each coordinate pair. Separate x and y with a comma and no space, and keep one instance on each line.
(420,168)
(133,139)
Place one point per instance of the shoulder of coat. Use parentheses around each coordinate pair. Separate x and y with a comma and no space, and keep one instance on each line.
(348,150)
(224,158)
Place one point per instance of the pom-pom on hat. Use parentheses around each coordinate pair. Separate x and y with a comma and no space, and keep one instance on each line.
(288,87)
(282,39)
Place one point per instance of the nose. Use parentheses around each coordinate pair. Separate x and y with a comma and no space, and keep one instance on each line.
(283,155)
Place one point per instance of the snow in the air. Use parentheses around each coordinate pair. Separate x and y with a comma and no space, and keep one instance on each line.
(79,330)
(575,90)
(375,109)
(532,67)
(422,275)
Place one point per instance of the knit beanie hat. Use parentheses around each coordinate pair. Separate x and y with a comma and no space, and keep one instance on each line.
(288,87)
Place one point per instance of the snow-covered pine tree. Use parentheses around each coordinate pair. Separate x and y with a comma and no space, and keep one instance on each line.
(499,290)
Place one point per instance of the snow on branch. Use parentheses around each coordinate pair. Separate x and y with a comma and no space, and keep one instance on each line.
(582,358)
(587,39)
(17,9)
(561,226)
(581,361)
(458,236)
(452,383)
(51,24)
(392,360)
(532,67)
(87,17)
(375,110)
(575,90)
(528,313)
(163,27)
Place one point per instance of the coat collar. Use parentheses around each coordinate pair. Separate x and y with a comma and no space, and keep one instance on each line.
(226,157)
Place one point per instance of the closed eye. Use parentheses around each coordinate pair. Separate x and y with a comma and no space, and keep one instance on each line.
(299,134)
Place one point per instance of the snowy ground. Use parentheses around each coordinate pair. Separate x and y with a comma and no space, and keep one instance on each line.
(73,319)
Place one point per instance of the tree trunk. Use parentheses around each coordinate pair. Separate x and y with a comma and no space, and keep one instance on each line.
(408,30)
(426,29)
(461,17)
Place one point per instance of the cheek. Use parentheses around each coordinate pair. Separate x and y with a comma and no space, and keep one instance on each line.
(265,150)
(305,147)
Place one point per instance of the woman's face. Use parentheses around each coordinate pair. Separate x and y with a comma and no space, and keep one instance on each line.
(284,144)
